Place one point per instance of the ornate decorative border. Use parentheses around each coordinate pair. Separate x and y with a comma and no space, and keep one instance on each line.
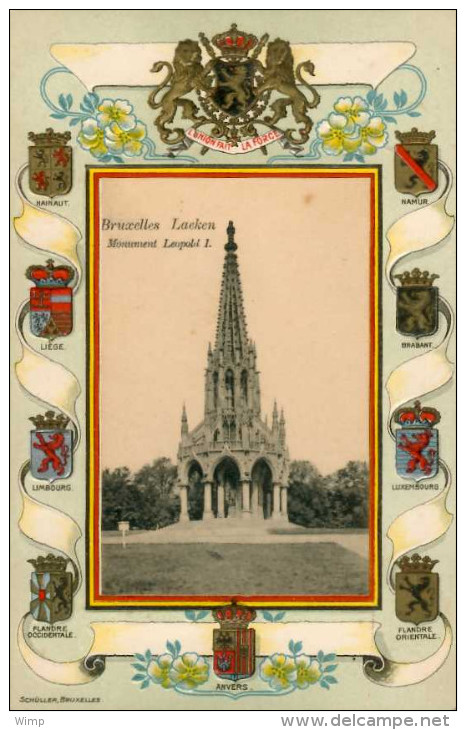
(95,599)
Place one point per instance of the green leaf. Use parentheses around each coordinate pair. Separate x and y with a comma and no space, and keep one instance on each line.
(145,684)
(148,655)
(414,114)
(329,658)
(140,667)
(69,101)
(396,99)
(267,615)
(403,97)
(177,647)
(389,119)
(330,668)
(320,656)
(62,102)
(202,614)
(74,121)
(190,615)
(298,646)
(139,677)
(279,616)
(331,680)
(58,116)
(324,684)
(141,657)
(291,646)
(171,648)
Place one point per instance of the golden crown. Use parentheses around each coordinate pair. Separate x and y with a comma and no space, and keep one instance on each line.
(50,420)
(233,616)
(416,278)
(415,136)
(49,138)
(235,42)
(50,564)
(416,564)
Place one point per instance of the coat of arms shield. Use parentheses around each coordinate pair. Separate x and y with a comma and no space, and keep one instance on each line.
(51,447)
(234,643)
(51,300)
(416,162)
(416,304)
(417,442)
(50,162)
(417,590)
(234,88)
(51,589)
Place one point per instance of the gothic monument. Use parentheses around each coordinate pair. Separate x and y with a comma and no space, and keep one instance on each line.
(241,461)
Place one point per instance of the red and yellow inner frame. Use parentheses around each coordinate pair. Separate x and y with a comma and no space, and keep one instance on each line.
(95,598)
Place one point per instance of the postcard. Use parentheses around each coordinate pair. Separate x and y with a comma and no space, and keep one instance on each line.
(233,417)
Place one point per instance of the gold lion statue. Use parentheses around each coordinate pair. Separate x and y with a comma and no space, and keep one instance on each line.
(278,75)
(186,74)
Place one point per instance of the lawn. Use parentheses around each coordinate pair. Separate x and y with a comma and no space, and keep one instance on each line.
(210,568)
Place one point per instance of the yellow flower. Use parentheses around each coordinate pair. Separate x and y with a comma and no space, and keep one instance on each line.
(189,670)
(279,671)
(92,138)
(355,110)
(308,671)
(127,142)
(118,111)
(159,670)
(373,136)
(336,136)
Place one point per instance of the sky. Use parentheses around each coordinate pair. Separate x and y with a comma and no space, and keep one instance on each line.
(303,251)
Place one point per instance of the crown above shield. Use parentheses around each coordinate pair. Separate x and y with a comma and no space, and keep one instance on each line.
(234,42)
(415,136)
(417,416)
(233,616)
(416,278)
(50,421)
(50,275)
(416,564)
(49,138)
(50,564)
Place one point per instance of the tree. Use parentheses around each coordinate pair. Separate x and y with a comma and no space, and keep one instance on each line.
(349,488)
(121,500)
(156,483)
(307,500)
(338,500)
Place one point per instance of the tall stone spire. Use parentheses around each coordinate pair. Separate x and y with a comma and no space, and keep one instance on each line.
(231,337)
(243,460)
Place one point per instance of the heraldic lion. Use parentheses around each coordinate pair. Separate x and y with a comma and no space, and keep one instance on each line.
(278,75)
(186,74)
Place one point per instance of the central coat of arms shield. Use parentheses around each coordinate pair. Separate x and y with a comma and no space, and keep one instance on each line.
(234,88)
(234,642)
